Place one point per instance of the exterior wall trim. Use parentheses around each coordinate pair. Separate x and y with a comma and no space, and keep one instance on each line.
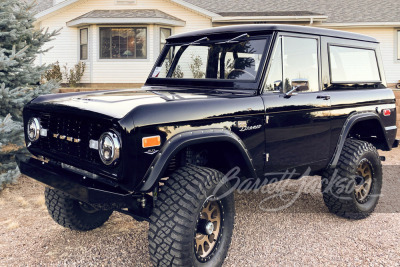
(55,8)
(360,24)
(88,21)
(270,18)
(396,45)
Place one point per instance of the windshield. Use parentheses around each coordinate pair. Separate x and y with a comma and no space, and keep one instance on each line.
(203,59)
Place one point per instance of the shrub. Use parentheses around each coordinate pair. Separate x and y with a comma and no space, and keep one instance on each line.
(195,67)
(73,76)
(54,74)
(178,73)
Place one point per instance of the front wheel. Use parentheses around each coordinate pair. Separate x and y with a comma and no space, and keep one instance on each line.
(73,214)
(190,224)
(352,189)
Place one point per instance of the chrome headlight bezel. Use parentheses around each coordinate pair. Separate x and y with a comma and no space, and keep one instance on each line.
(110,147)
(33,127)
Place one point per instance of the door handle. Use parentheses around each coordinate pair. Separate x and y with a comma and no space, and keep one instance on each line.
(324,97)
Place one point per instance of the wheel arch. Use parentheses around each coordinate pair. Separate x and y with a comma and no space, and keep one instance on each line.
(355,126)
(176,144)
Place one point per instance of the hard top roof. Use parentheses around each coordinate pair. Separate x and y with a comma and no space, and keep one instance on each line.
(270,28)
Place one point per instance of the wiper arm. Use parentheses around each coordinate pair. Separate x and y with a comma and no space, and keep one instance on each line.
(197,41)
(160,95)
(235,40)
(166,98)
(234,91)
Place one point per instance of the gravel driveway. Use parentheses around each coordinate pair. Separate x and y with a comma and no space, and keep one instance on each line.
(303,234)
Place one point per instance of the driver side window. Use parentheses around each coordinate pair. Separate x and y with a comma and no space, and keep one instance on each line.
(295,61)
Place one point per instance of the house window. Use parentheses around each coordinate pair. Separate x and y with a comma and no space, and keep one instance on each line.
(123,43)
(165,33)
(398,45)
(83,44)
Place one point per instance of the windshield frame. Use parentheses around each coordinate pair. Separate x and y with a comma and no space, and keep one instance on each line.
(212,82)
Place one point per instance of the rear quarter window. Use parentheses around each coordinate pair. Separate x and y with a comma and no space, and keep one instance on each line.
(353,65)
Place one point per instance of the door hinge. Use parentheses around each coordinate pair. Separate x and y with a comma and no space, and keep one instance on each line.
(267,119)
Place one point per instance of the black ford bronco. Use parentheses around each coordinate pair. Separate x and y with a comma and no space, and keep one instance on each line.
(261,98)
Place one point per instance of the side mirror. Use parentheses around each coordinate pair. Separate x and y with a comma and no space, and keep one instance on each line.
(301,85)
(298,85)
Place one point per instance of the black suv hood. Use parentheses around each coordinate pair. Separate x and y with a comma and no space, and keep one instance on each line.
(116,103)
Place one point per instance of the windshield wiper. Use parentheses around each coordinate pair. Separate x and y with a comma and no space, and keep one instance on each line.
(234,40)
(160,95)
(234,91)
(166,98)
(197,41)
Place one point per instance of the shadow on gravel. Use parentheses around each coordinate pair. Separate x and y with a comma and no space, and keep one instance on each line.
(304,195)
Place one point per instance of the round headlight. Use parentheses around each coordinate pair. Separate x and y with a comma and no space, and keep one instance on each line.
(109,148)
(33,129)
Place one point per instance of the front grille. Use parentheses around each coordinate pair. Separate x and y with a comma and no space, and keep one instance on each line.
(83,129)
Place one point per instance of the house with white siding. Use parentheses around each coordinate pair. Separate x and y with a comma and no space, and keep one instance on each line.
(119,40)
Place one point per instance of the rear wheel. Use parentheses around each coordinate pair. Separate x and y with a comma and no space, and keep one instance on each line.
(190,225)
(73,214)
(352,189)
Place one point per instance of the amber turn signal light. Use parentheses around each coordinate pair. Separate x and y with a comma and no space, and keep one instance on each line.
(151,141)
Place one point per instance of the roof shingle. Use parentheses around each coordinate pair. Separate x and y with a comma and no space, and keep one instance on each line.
(41,5)
(338,11)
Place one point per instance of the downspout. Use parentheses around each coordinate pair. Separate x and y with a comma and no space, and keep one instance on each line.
(91,50)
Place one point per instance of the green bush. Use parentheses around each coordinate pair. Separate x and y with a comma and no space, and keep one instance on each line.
(195,67)
(73,76)
(53,74)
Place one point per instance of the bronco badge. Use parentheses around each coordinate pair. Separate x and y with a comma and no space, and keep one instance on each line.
(69,139)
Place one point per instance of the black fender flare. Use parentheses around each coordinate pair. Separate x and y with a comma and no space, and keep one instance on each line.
(350,122)
(182,140)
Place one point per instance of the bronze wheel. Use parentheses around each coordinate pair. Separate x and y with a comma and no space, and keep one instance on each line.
(352,189)
(363,181)
(208,230)
(191,225)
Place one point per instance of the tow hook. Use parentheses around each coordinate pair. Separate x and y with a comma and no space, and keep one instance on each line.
(143,202)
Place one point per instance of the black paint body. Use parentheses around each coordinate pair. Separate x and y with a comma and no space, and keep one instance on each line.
(305,130)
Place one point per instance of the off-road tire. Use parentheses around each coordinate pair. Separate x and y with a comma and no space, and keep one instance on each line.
(176,213)
(344,202)
(70,213)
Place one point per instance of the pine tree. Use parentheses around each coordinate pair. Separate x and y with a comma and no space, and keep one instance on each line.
(20,78)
